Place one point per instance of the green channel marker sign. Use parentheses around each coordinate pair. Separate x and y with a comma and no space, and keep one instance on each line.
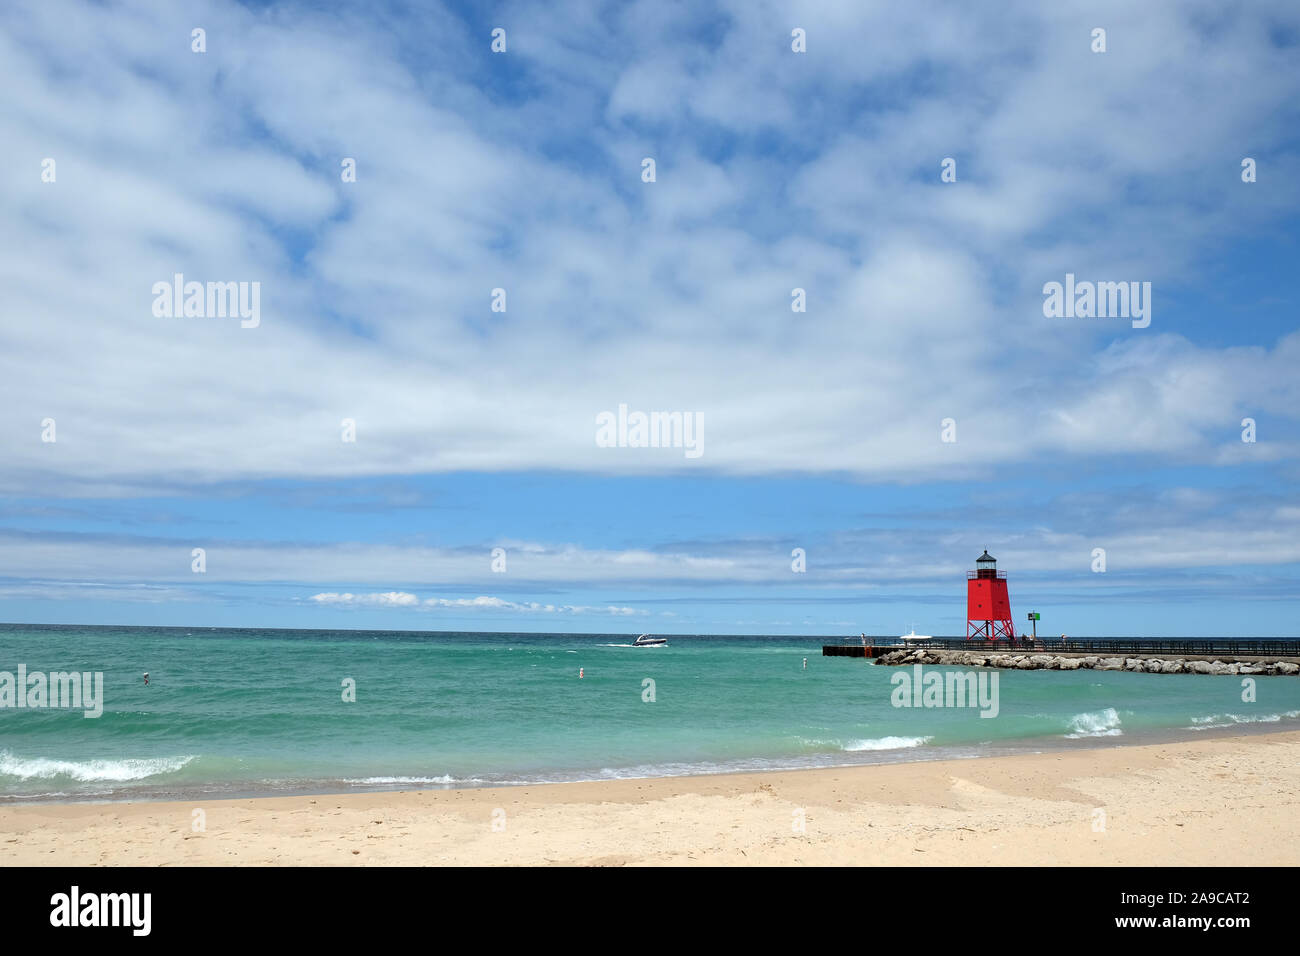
(1035,616)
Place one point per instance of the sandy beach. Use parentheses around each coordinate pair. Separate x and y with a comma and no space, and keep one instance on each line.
(1221,801)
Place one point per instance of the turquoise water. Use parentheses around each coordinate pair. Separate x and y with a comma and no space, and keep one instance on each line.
(246,711)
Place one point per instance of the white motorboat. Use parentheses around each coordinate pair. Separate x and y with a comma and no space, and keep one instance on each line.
(909,638)
(645,640)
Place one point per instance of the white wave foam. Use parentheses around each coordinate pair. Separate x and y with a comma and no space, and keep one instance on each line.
(886,743)
(444,780)
(1228,720)
(44,768)
(1098,723)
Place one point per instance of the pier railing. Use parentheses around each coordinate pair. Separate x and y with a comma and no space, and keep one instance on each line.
(1111,647)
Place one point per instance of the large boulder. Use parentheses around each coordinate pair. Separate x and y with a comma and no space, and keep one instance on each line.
(1067,663)
(1286,667)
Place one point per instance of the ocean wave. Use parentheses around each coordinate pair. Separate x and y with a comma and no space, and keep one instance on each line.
(1228,720)
(886,743)
(446,780)
(45,768)
(1097,723)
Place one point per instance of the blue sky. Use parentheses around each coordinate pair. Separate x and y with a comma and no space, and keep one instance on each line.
(775,170)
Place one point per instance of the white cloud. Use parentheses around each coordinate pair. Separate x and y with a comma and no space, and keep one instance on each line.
(386,599)
(1170,530)
(482,603)
(923,302)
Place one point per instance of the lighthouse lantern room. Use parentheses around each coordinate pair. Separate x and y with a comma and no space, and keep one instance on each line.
(988,605)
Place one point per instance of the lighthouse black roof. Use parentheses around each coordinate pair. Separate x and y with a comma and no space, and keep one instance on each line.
(985,557)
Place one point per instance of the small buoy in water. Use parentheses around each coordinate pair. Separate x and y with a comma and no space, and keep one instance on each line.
(580,670)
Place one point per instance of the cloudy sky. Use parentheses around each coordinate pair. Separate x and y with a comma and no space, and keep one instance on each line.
(920,409)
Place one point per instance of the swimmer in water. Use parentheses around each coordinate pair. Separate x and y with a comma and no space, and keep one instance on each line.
(146,678)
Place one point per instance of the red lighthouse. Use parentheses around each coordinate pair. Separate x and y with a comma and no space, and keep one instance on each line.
(988,605)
